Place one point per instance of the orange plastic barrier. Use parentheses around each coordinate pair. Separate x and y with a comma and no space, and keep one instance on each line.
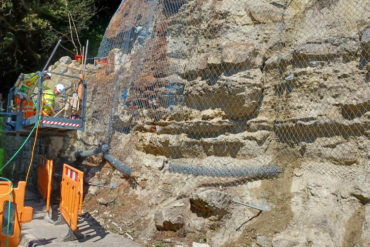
(44,179)
(71,195)
(27,107)
(19,213)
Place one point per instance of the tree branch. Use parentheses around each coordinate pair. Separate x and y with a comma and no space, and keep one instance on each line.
(78,38)
(70,29)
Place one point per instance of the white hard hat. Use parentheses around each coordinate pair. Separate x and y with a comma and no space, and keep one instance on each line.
(60,88)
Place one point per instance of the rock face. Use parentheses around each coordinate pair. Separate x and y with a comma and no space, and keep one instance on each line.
(171,218)
(210,203)
(247,83)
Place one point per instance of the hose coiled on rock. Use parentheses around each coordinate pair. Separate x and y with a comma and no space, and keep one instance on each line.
(245,172)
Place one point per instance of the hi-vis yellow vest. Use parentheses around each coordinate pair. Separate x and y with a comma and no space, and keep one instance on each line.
(49,100)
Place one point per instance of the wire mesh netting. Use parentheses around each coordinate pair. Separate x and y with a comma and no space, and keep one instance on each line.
(222,94)
(207,99)
(274,79)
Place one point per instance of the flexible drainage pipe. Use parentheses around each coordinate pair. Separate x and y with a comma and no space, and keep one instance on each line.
(101,149)
(117,164)
(110,158)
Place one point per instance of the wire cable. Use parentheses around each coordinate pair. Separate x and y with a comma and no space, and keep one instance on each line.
(24,143)
(33,152)
(34,142)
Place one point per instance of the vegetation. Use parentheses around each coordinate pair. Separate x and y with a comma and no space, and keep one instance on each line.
(30,29)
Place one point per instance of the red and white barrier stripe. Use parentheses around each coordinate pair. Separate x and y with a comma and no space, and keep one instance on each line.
(71,174)
(60,123)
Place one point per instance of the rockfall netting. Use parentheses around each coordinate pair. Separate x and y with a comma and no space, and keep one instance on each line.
(240,101)
(275,79)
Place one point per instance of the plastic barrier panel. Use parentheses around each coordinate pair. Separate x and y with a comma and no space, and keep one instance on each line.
(44,179)
(71,195)
(18,213)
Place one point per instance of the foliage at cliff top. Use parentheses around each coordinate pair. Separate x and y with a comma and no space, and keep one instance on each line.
(30,29)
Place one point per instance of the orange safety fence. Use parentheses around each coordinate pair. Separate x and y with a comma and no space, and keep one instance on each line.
(71,195)
(44,179)
(18,213)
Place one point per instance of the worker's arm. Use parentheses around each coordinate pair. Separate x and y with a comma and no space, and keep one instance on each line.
(52,111)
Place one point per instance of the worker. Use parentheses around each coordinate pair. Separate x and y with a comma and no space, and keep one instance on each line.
(48,99)
(47,76)
(26,92)
(27,82)
(80,87)
(76,102)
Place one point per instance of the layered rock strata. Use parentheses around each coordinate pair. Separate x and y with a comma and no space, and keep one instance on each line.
(237,83)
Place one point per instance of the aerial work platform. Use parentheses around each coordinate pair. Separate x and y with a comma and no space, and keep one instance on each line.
(26,101)
(22,114)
